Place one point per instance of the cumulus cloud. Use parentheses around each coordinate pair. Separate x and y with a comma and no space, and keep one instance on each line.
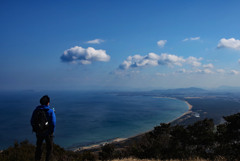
(191,39)
(95,41)
(80,55)
(153,59)
(162,43)
(229,43)
(195,62)
(209,66)
(207,71)
(182,71)
(170,60)
(164,59)
(140,61)
(197,71)
(234,72)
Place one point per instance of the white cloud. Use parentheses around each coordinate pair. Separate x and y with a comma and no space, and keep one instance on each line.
(234,72)
(162,43)
(182,71)
(209,66)
(83,56)
(170,60)
(202,71)
(125,65)
(207,71)
(195,71)
(195,62)
(95,41)
(139,61)
(153,59)
(191,39)
(239,61)
(229,43)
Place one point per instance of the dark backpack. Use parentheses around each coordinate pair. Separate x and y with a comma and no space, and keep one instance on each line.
(40,123)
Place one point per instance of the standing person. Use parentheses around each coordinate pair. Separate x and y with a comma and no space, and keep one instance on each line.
(43,122)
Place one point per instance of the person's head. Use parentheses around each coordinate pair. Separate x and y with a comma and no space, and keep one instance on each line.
(45,100)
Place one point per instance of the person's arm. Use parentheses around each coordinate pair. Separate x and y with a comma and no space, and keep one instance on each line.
(32,117)
(53,120)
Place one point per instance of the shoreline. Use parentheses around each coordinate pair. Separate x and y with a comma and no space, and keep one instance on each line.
(185,113)
(189,105)
(122,140)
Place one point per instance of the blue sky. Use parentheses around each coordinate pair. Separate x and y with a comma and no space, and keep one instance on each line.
(134,44)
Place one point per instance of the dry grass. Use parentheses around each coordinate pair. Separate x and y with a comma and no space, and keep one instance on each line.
(195,159)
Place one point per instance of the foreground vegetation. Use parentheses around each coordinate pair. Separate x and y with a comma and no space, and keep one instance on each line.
(191,159)
(25,151)
(203,140)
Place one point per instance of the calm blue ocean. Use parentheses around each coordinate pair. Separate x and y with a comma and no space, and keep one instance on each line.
(85,117)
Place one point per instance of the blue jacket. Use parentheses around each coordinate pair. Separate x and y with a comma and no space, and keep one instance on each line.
(51,119)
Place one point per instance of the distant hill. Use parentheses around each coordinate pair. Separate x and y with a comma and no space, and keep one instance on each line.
(182,90)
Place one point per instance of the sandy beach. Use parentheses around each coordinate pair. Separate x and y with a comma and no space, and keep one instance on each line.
(122,140)
(184,114)
(97,146)
(189,106)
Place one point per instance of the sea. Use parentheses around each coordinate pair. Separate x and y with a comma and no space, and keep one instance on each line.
(85,118)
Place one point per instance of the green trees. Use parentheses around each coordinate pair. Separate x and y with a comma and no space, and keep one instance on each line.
(107,152)
(25,151)
(20,151)
(202,139)
(179,142)
(228,137)
(173,142)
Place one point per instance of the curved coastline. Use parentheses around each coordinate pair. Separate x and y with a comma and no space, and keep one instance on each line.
(186,113)
(122,140)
